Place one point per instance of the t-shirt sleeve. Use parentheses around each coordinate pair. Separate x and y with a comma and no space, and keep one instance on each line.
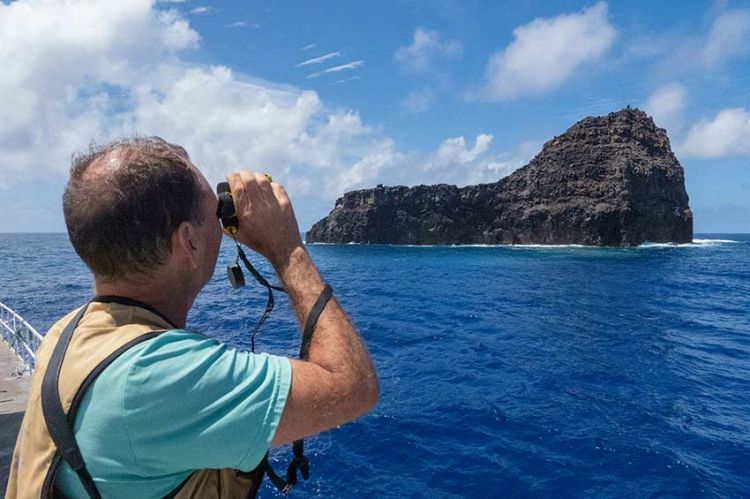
(191,402)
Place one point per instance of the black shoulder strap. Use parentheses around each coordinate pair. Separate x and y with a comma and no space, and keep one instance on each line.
(54,416)
(60,425)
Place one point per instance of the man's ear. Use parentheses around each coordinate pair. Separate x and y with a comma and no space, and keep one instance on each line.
(185,243)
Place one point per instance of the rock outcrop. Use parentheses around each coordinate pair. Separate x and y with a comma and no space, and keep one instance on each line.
(607,181)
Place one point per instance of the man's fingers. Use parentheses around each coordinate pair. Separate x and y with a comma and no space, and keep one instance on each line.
(247,186)
(280,192)
(264,185)
(235,182)
(250,184)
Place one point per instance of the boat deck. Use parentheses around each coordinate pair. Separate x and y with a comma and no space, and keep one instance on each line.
(14,389)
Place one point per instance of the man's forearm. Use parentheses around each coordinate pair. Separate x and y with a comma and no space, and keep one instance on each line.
(337,383)
(335,346)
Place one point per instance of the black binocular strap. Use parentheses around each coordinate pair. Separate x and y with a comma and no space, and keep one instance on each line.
(300,461)
(60,425)
(263,282)
(312,320)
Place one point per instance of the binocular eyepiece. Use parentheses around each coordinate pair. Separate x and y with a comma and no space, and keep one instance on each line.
(228,216)
(226,211)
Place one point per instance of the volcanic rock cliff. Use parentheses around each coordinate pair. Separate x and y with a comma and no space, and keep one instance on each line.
(607,181)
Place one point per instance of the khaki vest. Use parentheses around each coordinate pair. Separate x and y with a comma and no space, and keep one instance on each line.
(108,324)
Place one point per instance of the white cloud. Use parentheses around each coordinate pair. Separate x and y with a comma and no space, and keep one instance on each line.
(345,80)
(454,150)
(425,49)
(666,104)
(201,10)
(68,66)
(728,134)
(96,71)
(370,167)
(728,37)
(225,122)
(546,52)
(309,46)
(424,57)
(418,101)
(337,69)
(456,162)
(318,60)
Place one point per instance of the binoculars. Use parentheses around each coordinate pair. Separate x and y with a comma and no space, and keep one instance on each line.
(228,216)
(226,211)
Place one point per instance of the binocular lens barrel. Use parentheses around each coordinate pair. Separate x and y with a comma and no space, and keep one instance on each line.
(225,210)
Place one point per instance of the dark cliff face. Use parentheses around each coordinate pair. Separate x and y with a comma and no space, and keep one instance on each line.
(607,181)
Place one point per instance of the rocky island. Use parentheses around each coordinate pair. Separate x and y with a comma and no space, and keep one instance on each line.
(607,181)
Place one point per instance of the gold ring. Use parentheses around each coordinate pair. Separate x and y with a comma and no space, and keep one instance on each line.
(268,176)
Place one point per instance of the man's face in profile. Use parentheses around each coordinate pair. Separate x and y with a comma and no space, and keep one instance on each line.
(208,229)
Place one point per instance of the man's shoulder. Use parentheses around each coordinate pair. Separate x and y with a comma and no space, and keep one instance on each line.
(159,357)
(56,328)
(180,361)
(162,367)
(187,336)
(184,339)
(173,344)
(166,347)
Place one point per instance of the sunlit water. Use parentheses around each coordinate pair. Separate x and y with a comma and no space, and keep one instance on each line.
(505,371)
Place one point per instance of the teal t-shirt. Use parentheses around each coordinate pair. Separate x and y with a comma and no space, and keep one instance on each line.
(174,404)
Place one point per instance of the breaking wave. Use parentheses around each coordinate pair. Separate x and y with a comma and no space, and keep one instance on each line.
(697,243)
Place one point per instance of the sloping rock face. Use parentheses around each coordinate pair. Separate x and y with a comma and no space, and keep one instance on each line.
(607,181)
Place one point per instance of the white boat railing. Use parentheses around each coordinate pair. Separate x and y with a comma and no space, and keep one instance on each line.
(20,336)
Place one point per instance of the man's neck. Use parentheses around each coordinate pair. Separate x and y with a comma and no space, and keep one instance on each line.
(168,301)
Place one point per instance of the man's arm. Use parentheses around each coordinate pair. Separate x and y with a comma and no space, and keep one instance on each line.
(338,382)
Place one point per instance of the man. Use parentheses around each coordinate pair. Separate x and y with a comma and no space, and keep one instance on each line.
(165,402)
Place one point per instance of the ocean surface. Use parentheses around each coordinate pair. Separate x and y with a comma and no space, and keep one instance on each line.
(505,371)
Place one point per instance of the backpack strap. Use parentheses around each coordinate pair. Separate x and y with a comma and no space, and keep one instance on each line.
(60,425)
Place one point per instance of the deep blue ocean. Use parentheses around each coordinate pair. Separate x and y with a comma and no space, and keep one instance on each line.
(505,371)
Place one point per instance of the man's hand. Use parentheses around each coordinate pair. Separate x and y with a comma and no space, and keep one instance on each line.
(338,382)
(266,216)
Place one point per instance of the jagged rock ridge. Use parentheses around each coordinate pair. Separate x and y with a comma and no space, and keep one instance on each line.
(607,181)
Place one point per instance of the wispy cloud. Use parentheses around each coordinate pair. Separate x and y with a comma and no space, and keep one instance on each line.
(351,78)
(725,41)
(318,60)
(426,48)
(237,24)
(201,10)
(308,47)
(418,101)
(728,37)
(336,69)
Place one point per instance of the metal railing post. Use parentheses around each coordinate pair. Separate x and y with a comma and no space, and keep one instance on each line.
(20,336)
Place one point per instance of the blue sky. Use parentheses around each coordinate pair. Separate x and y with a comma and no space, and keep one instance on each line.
(334,96)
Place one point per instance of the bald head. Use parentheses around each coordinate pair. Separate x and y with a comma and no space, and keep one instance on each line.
(124,200)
